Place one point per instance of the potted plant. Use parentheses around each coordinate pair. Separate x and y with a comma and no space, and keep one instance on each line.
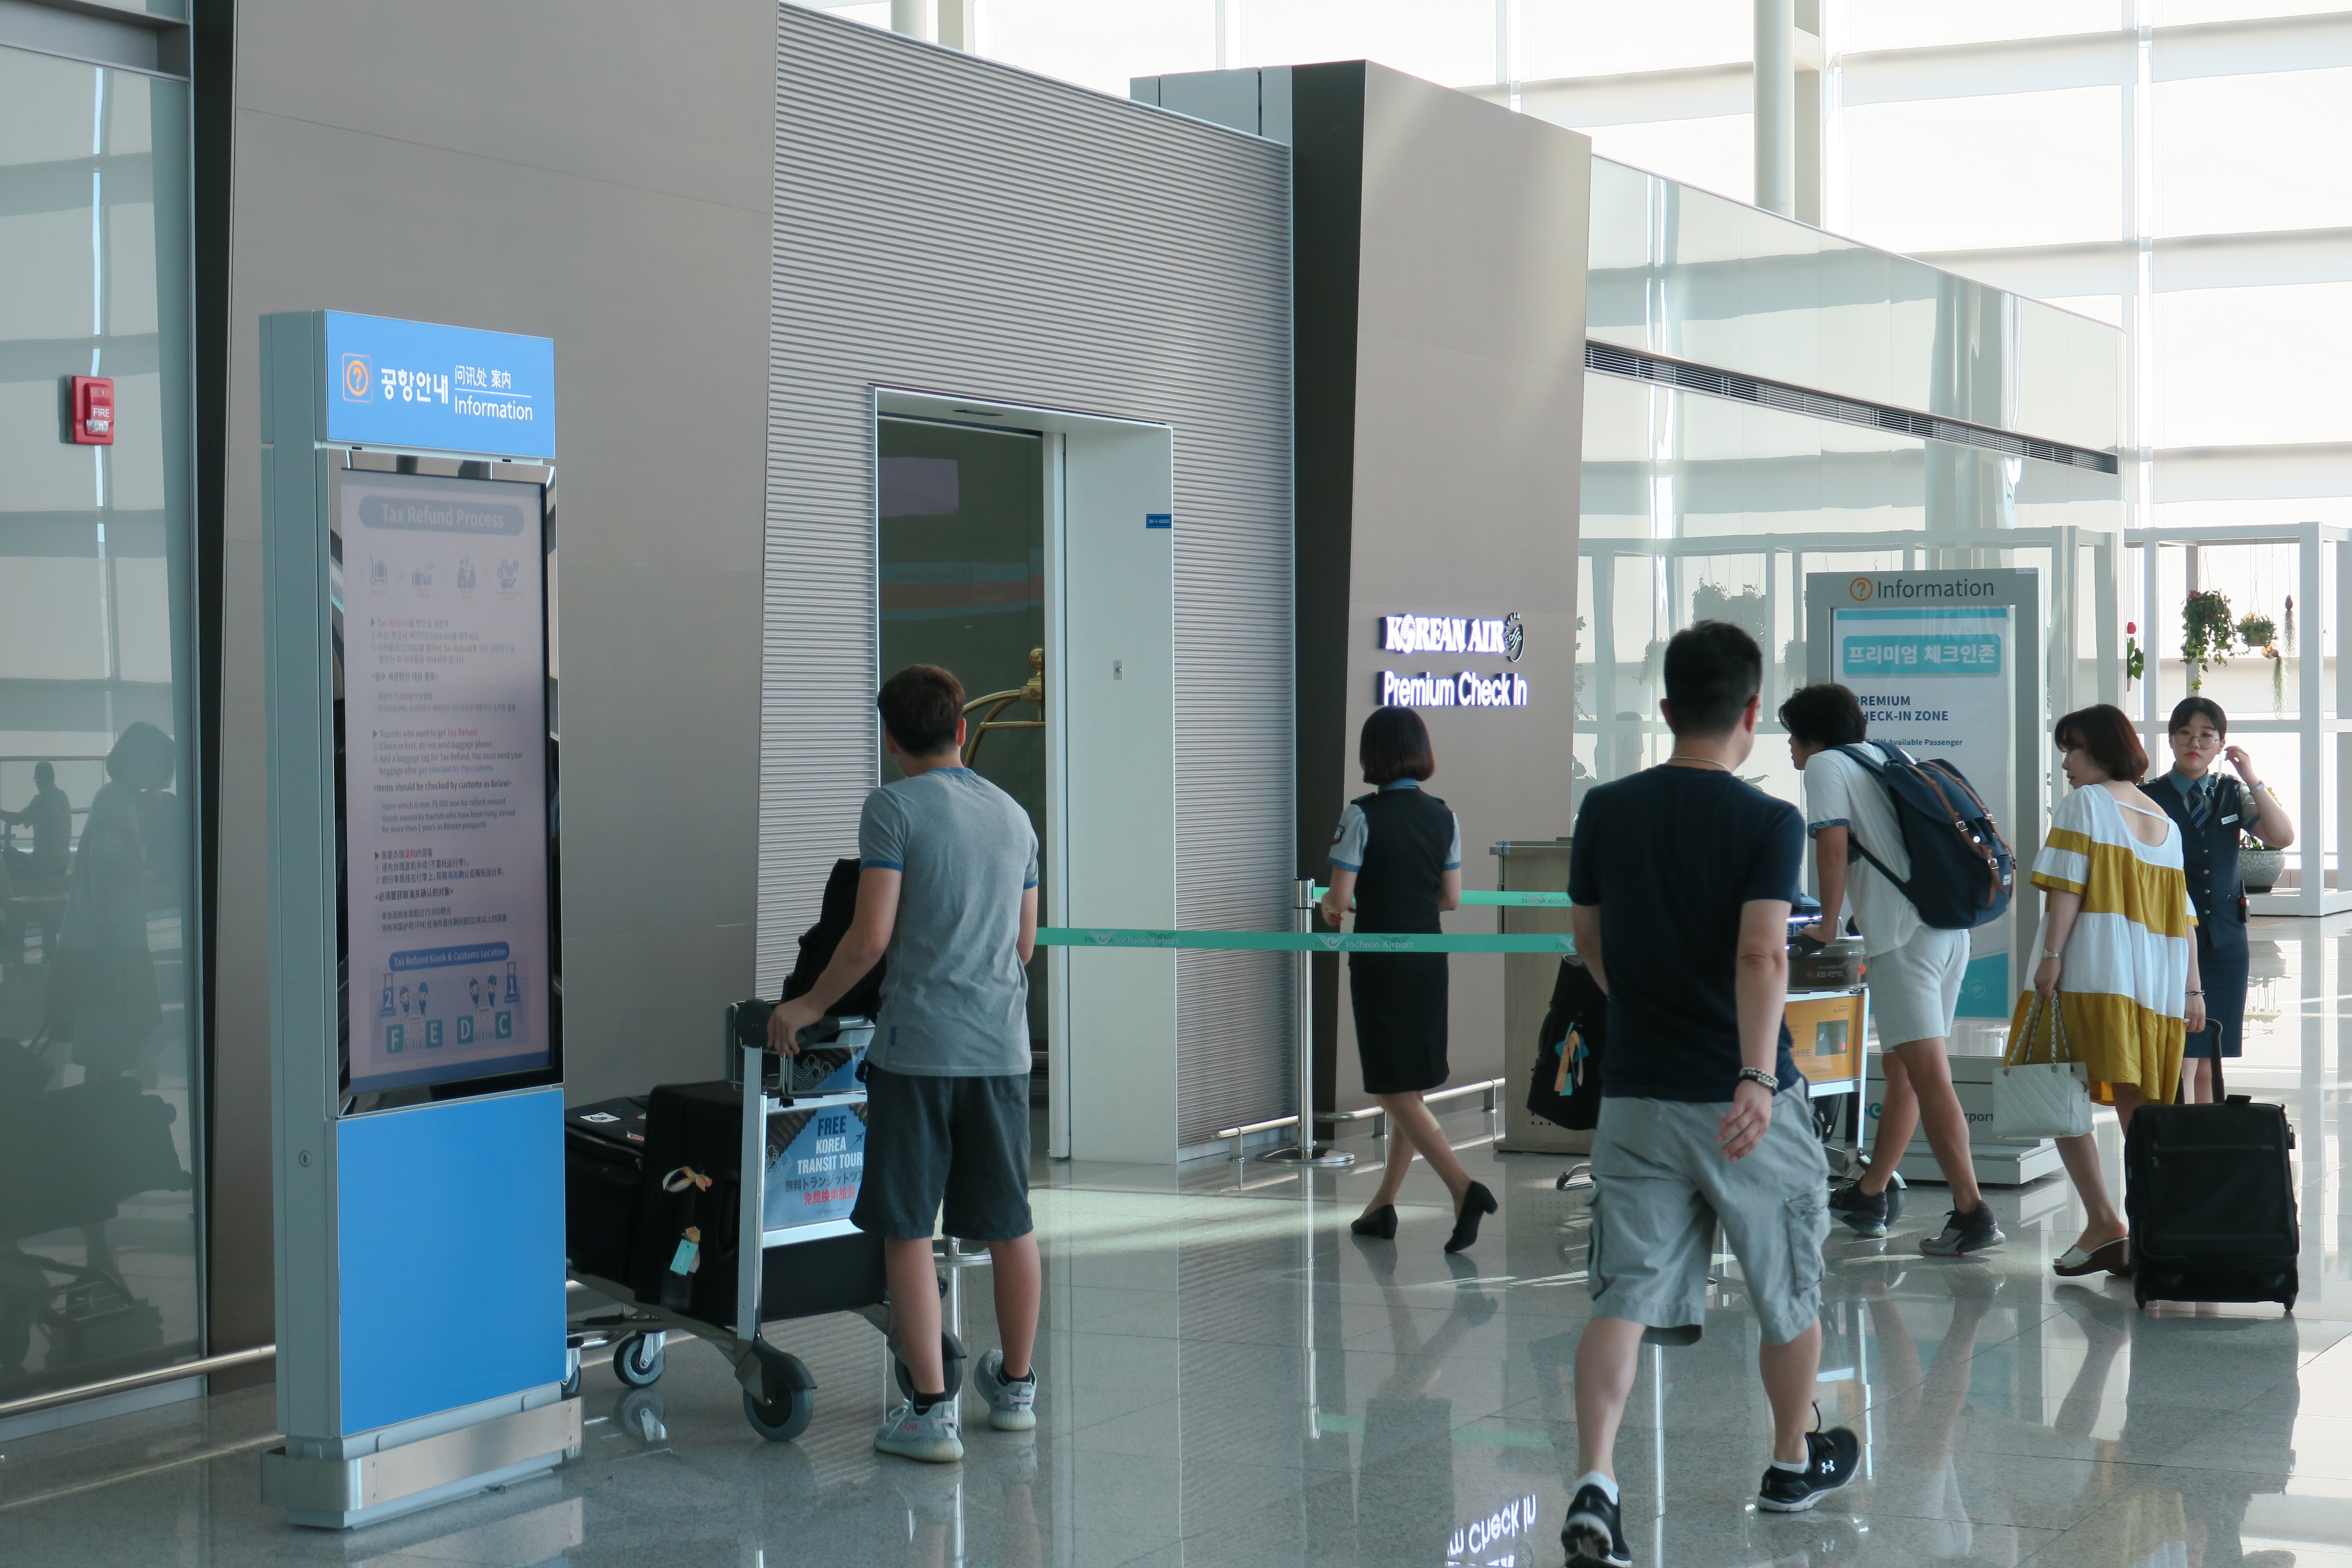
(2135,662)
(2258,865)
(2206,631)
(2261,632)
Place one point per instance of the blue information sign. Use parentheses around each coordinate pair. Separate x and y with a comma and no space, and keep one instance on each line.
(444,389)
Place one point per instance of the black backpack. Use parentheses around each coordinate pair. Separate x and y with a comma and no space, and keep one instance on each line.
(834,912)
(1962,873)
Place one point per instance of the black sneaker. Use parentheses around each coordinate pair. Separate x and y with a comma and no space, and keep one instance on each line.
(1868,1213)
(1963,1232)
(1592,1533)
(1831,1460)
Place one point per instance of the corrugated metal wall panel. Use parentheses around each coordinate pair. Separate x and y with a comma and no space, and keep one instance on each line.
(944,223)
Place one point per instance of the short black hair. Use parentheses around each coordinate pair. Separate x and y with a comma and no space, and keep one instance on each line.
(2106,731)
(920,706)
(1712,670)
(2198,708)
(1823,715)
(1395,745)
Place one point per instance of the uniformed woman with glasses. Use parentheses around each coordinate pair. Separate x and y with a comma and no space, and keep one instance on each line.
(2212,810)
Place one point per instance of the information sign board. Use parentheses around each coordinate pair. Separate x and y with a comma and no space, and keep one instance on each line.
(444,778)
(419,386)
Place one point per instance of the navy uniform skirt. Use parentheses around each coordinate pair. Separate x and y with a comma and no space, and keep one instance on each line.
(1400,1003)
(2224,977)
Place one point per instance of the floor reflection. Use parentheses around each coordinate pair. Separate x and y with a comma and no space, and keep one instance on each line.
(1230,1378)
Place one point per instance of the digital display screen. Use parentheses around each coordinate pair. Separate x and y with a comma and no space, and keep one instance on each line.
(443,780)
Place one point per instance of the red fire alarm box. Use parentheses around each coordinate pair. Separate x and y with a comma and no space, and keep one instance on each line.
(90,418)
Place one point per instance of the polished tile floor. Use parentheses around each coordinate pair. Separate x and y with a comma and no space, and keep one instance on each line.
(1230,1379)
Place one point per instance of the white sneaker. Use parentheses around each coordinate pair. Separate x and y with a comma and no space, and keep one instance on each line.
(1012,1407)
(933,1436)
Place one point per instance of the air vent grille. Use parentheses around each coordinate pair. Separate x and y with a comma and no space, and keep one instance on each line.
(1613,360)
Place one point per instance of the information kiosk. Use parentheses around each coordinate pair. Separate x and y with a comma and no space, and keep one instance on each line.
(407,509)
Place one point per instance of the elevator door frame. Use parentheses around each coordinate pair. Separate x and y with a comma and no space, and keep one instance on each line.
(1110,658)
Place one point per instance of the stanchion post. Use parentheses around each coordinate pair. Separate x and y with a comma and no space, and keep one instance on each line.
(1304,1152)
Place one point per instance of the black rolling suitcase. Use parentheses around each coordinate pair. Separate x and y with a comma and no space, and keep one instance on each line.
(2209,1195)
(604,1160)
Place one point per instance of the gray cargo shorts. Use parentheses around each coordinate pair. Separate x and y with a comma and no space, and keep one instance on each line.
(960,1141)
(1660,1185)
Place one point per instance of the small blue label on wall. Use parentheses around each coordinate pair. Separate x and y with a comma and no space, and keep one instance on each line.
(1159,519)
(444,389)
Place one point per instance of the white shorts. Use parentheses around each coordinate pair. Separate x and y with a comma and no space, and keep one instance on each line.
(1914,989)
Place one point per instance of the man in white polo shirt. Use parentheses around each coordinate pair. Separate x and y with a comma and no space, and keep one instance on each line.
(1915,969)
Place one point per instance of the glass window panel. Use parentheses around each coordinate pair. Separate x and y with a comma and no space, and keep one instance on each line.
(2250,154)
(1714,153)
(1104,45)
(2069,377)
(2184,13)
(1450,41)
(1601,38)
(97,1259)
(2252,366)
(1858,25)
(2059,157)
(2107,307)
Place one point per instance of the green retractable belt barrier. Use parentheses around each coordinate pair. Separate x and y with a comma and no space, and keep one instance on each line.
(1302,941)
(1506,900)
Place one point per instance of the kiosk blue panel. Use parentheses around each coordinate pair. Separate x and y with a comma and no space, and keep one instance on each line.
(450,1240)
(447,389)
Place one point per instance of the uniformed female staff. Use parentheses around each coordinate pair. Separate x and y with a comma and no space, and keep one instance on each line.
(2212,811)
(1397,862)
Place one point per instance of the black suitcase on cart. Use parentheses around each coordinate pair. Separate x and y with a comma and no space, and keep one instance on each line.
(699,1127)
(2209,1195)
(604,1159)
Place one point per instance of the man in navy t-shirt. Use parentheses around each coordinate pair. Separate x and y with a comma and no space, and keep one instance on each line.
(1682,878)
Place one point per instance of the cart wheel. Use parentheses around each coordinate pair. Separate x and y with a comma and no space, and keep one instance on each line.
(638,1361)
(572,1373)
(951,1362)
(791,1395)
(781,1420)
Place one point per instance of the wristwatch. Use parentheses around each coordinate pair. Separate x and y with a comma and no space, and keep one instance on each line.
(1772,1081)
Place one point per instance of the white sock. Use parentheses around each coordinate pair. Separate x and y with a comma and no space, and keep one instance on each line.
(1608,1484)
(1798,1468)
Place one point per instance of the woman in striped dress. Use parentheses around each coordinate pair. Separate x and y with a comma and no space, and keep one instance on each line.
(2118,954)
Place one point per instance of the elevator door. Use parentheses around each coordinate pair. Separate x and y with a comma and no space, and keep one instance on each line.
(962,550)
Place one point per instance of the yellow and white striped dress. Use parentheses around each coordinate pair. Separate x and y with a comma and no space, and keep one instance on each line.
(2124,988)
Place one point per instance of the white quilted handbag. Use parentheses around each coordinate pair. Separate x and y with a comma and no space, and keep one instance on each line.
(2049,1098)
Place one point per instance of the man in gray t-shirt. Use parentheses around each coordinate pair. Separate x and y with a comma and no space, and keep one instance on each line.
(955,997)
(947,889)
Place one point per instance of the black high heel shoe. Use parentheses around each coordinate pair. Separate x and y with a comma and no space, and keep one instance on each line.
(1477,1204)
(1381,1223)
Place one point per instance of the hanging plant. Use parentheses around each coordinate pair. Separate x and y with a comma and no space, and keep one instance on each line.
(2261,632)
(1745,609)
(2135,662)
(2206,631)
(2290,622)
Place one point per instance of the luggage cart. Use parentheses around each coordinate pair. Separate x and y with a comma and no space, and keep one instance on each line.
(781,1273)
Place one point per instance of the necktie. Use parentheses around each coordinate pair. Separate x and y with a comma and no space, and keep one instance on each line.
(2201,797)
